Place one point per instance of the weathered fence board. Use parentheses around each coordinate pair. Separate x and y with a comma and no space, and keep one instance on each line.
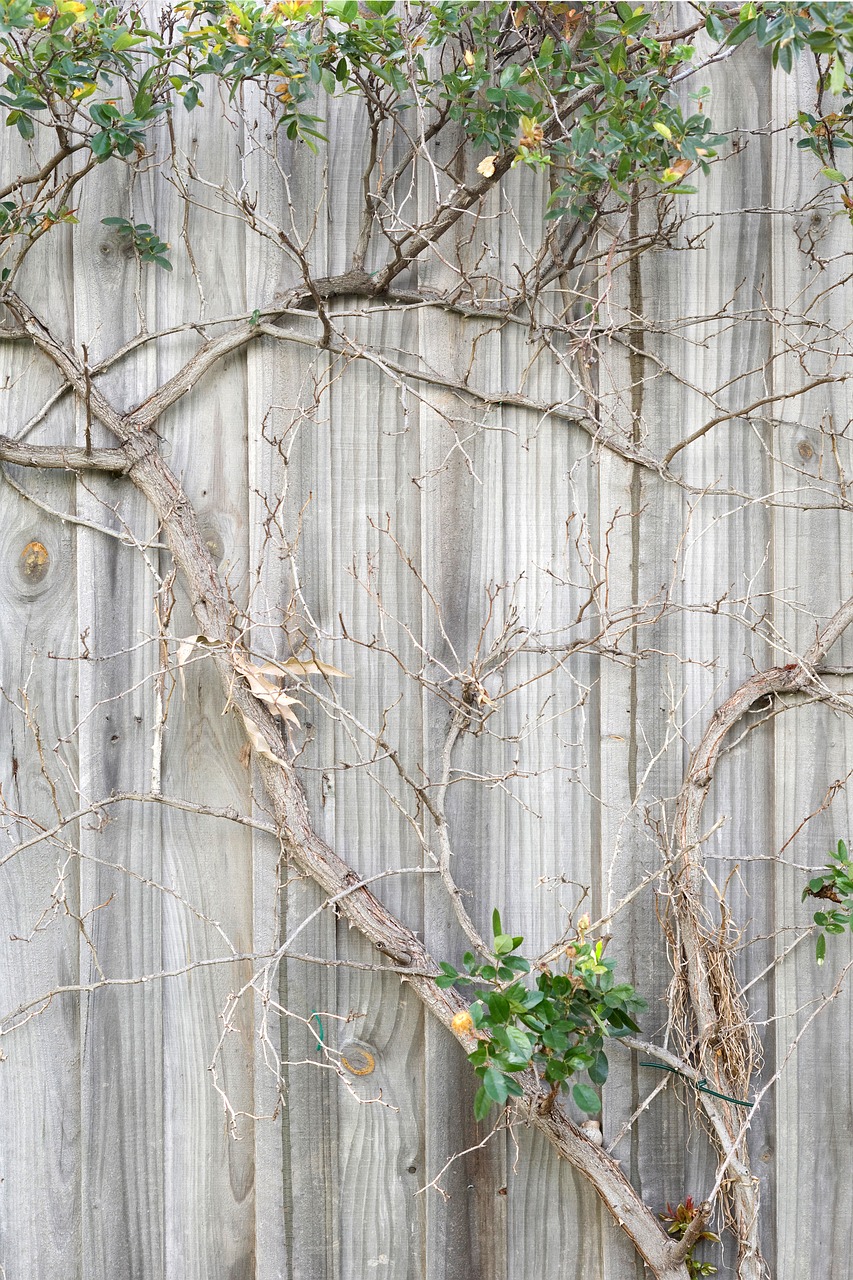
(412,535)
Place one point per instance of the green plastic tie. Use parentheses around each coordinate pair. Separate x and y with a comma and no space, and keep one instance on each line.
(315,1015)
(701,1084)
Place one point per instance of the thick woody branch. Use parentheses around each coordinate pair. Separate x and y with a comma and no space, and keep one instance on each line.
(794,677)
(63,457)
(307,852)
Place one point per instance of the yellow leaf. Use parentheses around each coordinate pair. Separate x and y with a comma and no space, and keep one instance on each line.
(72,6)
(487,166)
(676,171)
(469,58)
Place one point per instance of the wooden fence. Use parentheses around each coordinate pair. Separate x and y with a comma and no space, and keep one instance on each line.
(406,531)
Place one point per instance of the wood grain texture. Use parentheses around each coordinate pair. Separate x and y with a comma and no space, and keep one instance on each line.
(206,1161)
(121,1039)
(40,1190)
(288,460)
(332,494)
(671,696)
(813,1098)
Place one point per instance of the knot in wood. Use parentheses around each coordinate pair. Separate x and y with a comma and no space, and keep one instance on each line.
(357,1060)
(34,561)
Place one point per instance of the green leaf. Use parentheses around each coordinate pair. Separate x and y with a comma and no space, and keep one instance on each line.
(126,41)
(820,949)
(599,1069)
(521,1042)
(546,51)
(556,1040)
(834,175)
(715,28)
(663,129)
(498,1006)
(586,1098)
(513,1087)
(101,145)
(495,1085)
(25,127)
(482,1104)
(496,923)
(741,32)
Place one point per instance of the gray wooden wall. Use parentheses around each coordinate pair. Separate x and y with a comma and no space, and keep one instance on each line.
(117,1160)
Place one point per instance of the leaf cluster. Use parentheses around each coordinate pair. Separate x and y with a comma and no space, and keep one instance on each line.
(59,55)
(836,886)
(559,1026)
(144,239)
(678,1219)
(581,98)
(586,92)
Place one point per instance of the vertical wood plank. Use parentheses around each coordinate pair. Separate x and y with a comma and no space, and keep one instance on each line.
(296,1156)
(209,1168)
(814,745)
(40,1141)
(138,1171)
(121,1029)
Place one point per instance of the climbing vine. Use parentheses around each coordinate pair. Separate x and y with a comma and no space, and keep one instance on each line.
(602,115)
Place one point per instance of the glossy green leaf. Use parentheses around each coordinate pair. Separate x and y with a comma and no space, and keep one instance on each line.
(599,1069)
(586,1098)
(715,28)
(495,1085)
